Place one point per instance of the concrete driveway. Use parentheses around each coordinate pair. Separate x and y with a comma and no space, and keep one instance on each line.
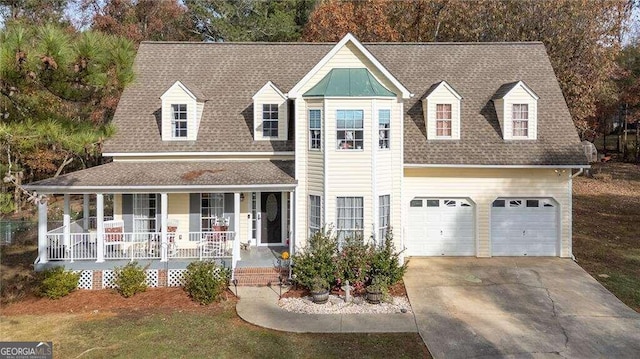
(517,307)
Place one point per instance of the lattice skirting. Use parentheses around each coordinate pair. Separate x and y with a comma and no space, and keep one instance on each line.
(174,277)
(108,279)
(152,278)
(86,279)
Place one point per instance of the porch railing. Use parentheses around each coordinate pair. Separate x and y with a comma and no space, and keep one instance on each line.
(140,245)
(78,225)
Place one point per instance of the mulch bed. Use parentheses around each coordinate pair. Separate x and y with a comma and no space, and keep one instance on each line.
(82,301)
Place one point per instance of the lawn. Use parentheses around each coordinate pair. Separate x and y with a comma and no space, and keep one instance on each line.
(606,228)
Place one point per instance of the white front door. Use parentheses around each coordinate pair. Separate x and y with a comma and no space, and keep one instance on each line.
(441,227)
(524,227)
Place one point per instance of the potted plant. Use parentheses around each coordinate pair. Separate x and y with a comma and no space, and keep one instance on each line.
(319,290)
(376,290)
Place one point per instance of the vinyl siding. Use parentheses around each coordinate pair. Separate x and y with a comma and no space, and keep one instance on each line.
(269,96)
(178,207)
(483,186)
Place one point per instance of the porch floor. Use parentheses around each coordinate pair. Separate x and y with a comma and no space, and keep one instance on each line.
(261,257)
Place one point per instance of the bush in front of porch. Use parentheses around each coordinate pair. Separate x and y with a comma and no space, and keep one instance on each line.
(57,282)
(130,279)
(205,281)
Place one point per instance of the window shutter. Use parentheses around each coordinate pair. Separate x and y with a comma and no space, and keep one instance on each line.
(228,209)
(194,212)
(127,212)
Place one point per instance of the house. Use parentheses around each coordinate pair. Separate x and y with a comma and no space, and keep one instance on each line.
(226,149)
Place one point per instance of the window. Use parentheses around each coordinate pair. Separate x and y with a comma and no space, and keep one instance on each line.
(533,203)
(315,216)
(415,203)
(144,212)
(443,120)
(498,203)
(211,210)
(384,124)
(520,119)
(270,120)
(433,203)
(384,204)
(350,124)
(350,217)
(315,129)
(179,121)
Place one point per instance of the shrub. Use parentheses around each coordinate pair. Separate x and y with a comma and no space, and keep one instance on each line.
(130,279)
(317,259)
(385,261)
(56,282)
(354,262)
(205,281)
(319,285)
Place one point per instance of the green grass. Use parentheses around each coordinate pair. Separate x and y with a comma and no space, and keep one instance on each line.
(217,333)
(606,236)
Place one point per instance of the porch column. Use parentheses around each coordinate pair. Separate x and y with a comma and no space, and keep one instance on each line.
(66,223)
(100,227)
(236,230)
(164,208)
(42,230)
(292,227)
(85,212)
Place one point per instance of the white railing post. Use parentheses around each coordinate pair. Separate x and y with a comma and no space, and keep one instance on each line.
(164,244)
(236,227)
(42,230)
(66,223)
(100,227)
(85,211)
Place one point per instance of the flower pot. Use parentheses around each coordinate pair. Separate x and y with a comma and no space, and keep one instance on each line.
(374,296)
(320,297)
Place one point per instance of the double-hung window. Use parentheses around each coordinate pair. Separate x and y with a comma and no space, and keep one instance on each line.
(179,121)
(315,129)
(384,127)
(384,208)
(270,120)
(443,120)
(350,133)
(350,217)
(315,214)
(144,212)
(211,210)
(520,118)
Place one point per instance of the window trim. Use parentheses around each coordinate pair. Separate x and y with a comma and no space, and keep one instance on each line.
(444,120)
(177,110)
(315,229)
(270,120)
(385,130)
(353,219)
(210,207)
(520,120)
(383,229)
(343,144)
(319,129)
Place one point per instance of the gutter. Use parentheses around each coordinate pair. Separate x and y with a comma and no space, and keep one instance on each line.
(580,170)
(413,165)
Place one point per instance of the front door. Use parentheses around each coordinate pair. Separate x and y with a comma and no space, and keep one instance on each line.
(271,218)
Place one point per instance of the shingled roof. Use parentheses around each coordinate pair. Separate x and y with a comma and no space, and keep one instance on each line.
(229,74)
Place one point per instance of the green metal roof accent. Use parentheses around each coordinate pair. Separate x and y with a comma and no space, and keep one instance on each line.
(348,83)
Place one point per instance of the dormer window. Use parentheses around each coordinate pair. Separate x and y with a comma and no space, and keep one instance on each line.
(441,107)
(179,120)
(443,120)
(516,108)
(270,120)
(520,119)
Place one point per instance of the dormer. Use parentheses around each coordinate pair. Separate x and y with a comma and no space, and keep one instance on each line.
(181,112)
(441,107)
(517,109)
(269,114)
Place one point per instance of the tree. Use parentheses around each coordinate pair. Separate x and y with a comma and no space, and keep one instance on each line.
(581,37)
(247,20)
(33,11)
(58,91)
(140,20)
(367,20)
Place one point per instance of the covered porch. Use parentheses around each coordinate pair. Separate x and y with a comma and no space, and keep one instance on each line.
(169,212)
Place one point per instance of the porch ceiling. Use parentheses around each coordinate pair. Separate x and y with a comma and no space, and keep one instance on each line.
(173,176)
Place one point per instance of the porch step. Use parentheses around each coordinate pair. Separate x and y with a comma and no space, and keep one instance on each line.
(254,276)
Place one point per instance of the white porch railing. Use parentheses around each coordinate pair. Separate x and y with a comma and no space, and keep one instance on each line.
(140,245)
(77,226)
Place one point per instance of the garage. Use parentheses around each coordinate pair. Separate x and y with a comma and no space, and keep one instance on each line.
(524,227)
(441,227)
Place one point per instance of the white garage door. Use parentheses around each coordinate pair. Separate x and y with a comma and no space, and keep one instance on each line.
(524,227)
(441,227)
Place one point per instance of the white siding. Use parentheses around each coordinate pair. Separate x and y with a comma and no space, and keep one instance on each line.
(442,96)
(519,96)
(173,96)
(483,186)
(268,95)
(178,207)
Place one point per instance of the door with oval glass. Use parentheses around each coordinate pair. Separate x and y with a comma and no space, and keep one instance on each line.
(271,218)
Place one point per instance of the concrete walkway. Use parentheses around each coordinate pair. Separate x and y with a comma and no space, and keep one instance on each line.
(517,308)
(259,306)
